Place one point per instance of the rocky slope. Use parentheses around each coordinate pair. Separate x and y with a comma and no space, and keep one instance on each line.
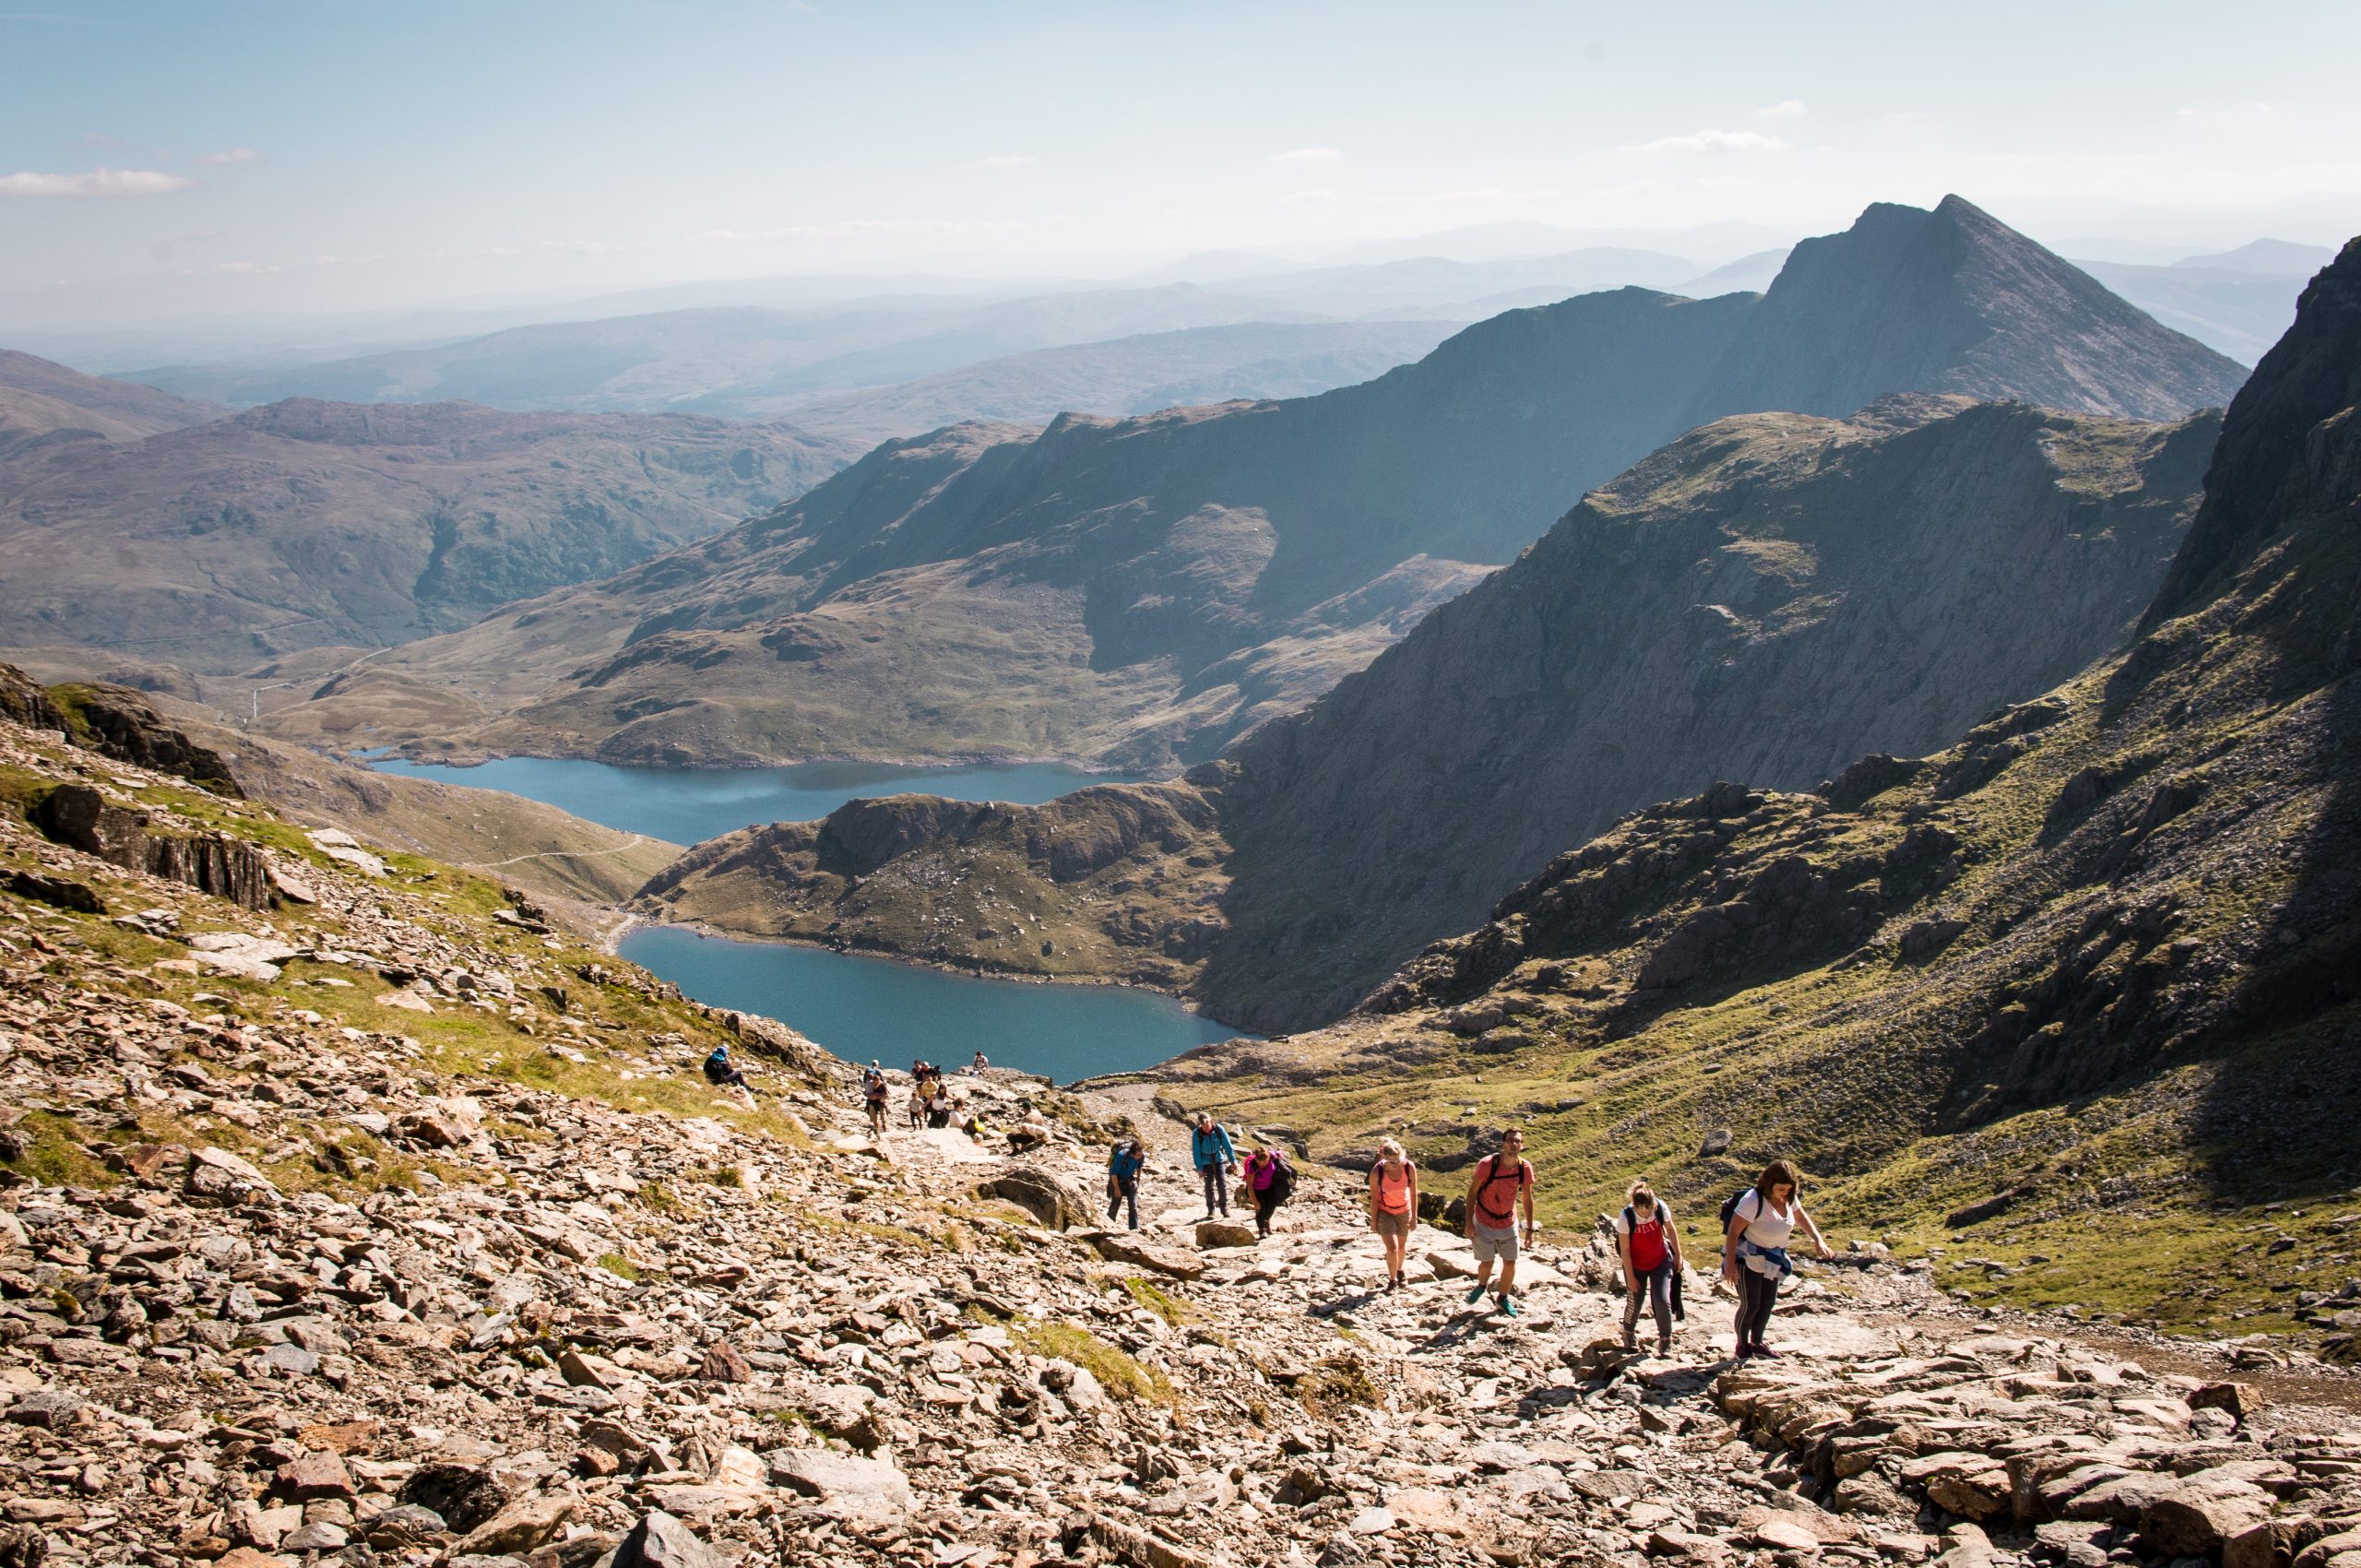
(370,1231)
(1769,597)
(1143,590)
(2085,980)
(304,523)
(40,399)
(537,848)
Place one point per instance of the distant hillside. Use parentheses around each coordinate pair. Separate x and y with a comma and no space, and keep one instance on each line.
(39,398)
(1128,376)
(736,361)
(1770,596)
(307,523)
(2240,310)
(1145,590)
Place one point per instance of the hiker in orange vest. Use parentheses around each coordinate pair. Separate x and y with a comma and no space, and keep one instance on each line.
(1502,1181)
(1392,1206)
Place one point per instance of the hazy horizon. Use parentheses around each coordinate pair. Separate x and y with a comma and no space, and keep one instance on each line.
(226,159)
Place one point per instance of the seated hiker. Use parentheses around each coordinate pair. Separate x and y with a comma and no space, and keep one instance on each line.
(1030,1133)
(718,1071)
(938,1106)
(982,1061)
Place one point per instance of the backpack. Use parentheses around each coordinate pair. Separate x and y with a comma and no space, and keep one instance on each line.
(1282,1185)
(1493,1175)
(1730,1207)
(1123,1160)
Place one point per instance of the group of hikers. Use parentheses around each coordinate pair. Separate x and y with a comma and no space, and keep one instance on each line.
(1757,1223)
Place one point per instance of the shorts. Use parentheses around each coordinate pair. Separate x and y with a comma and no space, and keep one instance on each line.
(1492,1244)
(1395,1225)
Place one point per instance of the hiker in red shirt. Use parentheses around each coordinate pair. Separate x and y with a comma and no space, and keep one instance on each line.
(1650,1249)
(1502,1181)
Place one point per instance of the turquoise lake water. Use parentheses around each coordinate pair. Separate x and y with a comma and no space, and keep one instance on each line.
(689,805)
(857,1007)
(861,1007)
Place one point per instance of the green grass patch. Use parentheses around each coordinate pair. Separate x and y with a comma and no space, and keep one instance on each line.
(620,1266)
(1117,1372)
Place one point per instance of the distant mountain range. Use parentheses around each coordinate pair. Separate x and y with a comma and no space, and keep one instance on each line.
(138,522)
(1143,591)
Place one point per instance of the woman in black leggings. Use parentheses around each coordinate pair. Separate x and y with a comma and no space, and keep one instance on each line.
(1754,1250)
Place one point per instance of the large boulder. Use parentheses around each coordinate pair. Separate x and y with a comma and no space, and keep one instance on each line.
(2194,1519)
(857,1487)
(1051,1196)
(659,1541)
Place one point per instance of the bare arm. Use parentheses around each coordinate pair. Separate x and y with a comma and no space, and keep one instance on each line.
(1729,1247)
(1623,1252)
(1528,1185)
(1819,1243)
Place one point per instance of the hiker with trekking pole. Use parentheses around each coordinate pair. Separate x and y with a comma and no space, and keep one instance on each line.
(1756,1225)
(1503,1181)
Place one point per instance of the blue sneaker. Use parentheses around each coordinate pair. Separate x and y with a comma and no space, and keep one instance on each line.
(1508,1304)
(1476,1295)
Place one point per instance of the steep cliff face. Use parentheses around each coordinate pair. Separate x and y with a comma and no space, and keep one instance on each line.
(1767,599)
(2099,955)
(1146,590)
(1771,595)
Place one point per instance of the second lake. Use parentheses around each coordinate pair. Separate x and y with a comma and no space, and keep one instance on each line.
(689,805)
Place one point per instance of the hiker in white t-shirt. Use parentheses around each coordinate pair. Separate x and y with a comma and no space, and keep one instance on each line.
(1754,1250)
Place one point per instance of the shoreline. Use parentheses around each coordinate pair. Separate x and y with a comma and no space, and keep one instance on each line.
(399,753)
(710,932)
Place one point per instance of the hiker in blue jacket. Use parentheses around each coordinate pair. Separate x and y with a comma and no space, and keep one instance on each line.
(1215,1160)
(1124,1162)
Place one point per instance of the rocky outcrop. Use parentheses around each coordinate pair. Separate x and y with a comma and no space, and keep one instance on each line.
(123,724)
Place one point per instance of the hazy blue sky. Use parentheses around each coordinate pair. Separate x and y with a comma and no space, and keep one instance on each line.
(238,154)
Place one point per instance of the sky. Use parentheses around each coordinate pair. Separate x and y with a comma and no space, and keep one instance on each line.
(177,157)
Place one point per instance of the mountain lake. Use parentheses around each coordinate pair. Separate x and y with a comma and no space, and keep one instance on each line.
(859,1007)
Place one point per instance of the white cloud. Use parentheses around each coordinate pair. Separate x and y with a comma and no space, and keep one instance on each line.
(1318,197)
(97,183)
(235,155)
(1005,161)
(1713,141)
(1786,109)
(1306,155)
(1493,192)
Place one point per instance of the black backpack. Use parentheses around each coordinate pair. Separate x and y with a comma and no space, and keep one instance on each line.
(1730,1207)
(1282,1185)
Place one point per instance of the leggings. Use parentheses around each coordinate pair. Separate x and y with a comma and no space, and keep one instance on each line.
(1757,1295)
(1265,1206)
(1216,1186)
(1127,1189)
(1655,1287)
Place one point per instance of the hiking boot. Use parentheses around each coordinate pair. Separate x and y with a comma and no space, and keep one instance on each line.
(1508,1304)
(1664,1347)
(1745,1352)
(1630,1338)
(1765,1350)
(1393,1283)
(1476,1295)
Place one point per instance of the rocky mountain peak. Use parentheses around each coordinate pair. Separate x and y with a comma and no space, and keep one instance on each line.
(1954,300)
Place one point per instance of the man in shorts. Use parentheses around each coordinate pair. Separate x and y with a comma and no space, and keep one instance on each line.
(1502,1181)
